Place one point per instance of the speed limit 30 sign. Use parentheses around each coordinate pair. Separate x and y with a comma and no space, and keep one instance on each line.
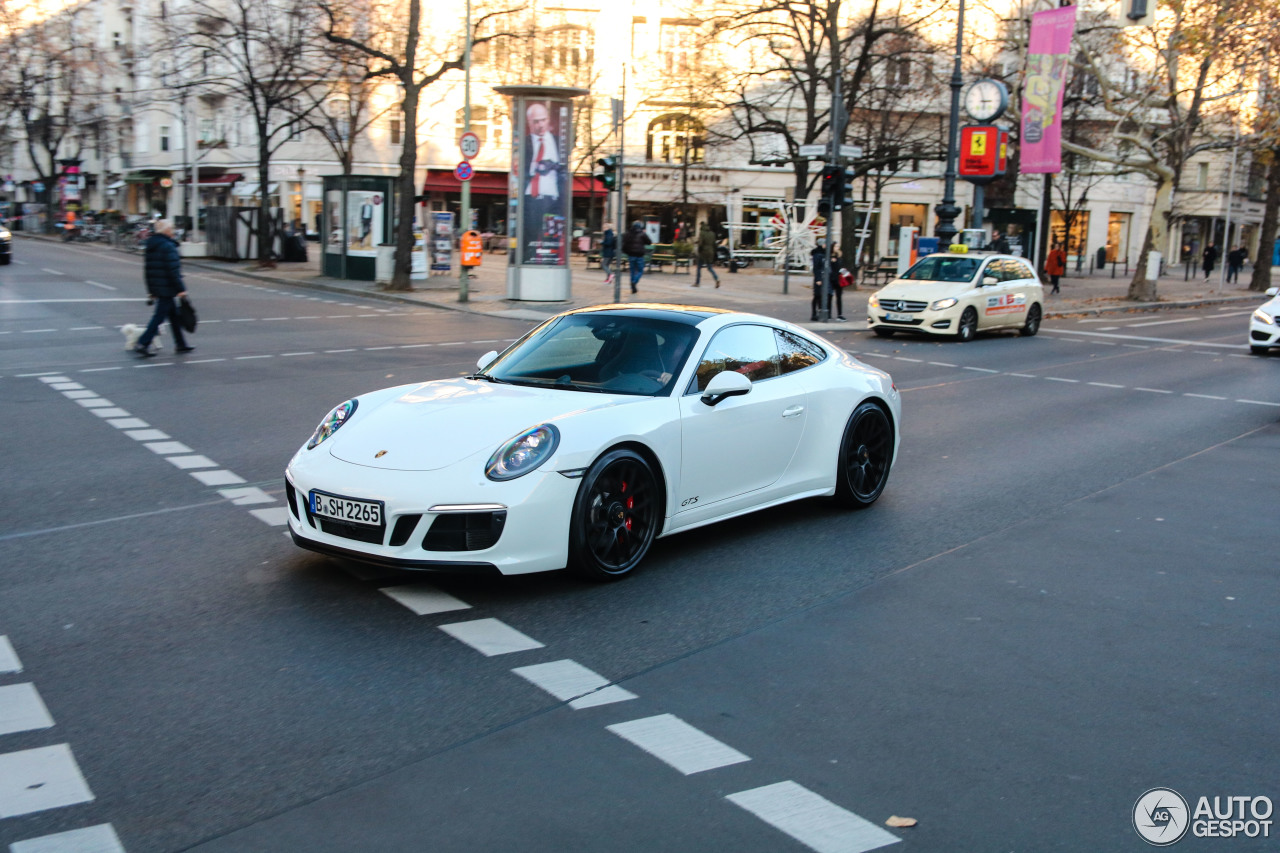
(469,145)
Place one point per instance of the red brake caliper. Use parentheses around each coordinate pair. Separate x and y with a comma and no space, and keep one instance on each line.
(631,503)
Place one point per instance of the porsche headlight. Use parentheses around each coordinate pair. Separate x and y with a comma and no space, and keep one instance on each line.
(523,453)
(872,302)
(339,416)
(943,304)
(1263,317)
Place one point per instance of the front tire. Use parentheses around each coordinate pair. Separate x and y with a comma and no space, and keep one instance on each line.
(1032,325)
(615,517)
(968,326)
(1259,350)
(882,332)
(866,454)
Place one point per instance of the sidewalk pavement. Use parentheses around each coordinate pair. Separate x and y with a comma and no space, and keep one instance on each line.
(755,290)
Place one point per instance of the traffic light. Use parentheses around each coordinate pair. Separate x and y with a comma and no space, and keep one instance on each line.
(831,185)
(609,176)
(846,188)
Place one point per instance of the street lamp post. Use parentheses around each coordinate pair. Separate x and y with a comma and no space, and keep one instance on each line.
(948,211)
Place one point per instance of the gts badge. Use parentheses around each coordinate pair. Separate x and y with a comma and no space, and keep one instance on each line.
(689,501)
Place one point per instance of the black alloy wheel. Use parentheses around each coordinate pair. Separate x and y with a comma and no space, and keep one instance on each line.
(1032,325)
(882,332)
(968,325)
(866,452)
(615,516)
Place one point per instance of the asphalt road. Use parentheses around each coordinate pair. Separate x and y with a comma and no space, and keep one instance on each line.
(1066,597)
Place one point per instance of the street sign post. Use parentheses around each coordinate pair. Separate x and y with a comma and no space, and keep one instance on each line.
(817,152)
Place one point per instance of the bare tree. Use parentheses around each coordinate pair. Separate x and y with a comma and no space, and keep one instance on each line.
(49,83)
(265,54)
(1170,92)
(391,35)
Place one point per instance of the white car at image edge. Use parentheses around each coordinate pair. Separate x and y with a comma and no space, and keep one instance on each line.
(598,431)
(1263,331)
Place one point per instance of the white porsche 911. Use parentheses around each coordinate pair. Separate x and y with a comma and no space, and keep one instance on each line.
(596,432)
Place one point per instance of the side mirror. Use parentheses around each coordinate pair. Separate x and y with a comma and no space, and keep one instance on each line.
(988,280)
(486,359)
(725,384)
(1272,291)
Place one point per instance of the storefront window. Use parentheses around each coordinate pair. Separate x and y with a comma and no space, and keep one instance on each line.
(332,233)
(901,215)
(1118,237)
(1074,235)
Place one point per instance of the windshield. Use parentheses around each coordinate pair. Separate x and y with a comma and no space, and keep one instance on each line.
(944,268)
(600,352)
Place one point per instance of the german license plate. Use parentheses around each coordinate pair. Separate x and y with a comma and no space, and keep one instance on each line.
(346,509)
(898,318)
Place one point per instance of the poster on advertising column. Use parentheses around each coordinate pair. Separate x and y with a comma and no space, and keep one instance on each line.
(440,237)
(544,186)
(1048,62)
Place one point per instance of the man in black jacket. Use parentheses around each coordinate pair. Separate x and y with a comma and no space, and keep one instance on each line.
(635,244)
(162,266)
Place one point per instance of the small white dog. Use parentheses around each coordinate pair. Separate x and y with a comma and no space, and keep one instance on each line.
(132,331)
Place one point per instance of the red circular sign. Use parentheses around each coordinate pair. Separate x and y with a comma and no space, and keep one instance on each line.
(469,144)
(463,171)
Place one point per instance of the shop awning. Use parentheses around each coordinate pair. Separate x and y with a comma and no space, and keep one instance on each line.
(252,189)
(219,180)
(146,176)
(495,183)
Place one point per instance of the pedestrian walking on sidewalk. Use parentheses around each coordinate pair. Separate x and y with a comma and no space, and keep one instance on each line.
(1235,262)
(705,254)
(819,259)
(1055,265)
(836,290)
(635,244)
(608,251)
(1209,258)
(162,268)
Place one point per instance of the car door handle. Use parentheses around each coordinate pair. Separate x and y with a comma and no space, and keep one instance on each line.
(792,412)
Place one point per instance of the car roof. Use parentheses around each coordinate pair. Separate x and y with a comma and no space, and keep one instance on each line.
(689,314)
(978,254)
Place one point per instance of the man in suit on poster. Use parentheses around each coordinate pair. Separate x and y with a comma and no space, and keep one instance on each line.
(543,188)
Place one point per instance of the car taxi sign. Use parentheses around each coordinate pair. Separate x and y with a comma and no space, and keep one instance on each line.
(958,249)
(463,171)
(469,145)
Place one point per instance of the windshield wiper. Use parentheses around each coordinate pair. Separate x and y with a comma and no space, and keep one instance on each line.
(487,378)
(566,382)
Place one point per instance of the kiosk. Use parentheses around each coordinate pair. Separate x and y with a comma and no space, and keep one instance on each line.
(357,216)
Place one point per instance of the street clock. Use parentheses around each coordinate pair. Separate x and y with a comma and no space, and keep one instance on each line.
(986,100)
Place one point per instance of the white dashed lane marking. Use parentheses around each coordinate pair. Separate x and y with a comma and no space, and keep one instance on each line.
(22,709)
(814,821)
(424,600)
(570,681)
(671,740)
(9,662)
(92,839)
(490,637)
(34,780)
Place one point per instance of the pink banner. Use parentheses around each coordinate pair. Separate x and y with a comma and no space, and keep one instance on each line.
(1048,58)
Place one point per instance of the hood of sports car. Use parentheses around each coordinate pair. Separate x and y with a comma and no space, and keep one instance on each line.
(430,426)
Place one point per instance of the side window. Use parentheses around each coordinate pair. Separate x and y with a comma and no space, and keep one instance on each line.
(797,352)
(1000,270)
(1022,270)
(749,350)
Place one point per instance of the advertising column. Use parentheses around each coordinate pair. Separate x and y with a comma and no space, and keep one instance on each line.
(540,192)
